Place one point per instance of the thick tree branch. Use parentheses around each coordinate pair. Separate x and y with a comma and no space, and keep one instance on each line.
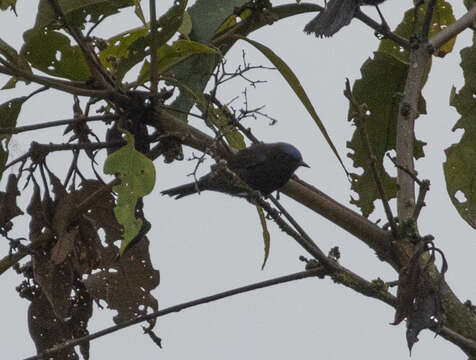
(377,238)
(408,112)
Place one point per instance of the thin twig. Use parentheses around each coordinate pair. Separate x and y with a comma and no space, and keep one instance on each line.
(452,30)
(427,22)
(49,124)
(423,184)
(66,86)
(306,242)
(424,187)
(380,28)
(48,148)
(92,60)
(177,308)
(154,75)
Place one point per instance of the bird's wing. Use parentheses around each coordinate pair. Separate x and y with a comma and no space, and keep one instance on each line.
(247,158)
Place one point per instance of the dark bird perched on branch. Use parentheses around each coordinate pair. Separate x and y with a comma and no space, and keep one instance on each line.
(336,15)
(263,167)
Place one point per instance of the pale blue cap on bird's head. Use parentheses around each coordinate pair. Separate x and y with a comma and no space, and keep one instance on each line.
(293,152)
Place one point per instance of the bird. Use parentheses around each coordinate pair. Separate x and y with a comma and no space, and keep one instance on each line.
(264,167)
(336,15)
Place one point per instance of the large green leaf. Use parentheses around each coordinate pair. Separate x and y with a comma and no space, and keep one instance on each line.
(9,112)
(293,81)
(77,11)
(206,16)
(129,48)
(52,53)
(137,175)
(171,55)
(460,165)
(381,87)
(382,83)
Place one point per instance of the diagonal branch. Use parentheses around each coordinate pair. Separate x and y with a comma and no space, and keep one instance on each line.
(95,66)
(154,76)
(177,308)
(45,125)
(452,30)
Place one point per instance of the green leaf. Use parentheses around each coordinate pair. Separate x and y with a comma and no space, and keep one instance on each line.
(232,20)
(126,50)
(382,83)
(266,236)
(137,175)
(171,55)
(139,13)
(17,60)
(442,17)
(9,112)
(77,12)
(460,165)
(293,81)
(5,4)
(206,15)
(120,56)
(186,28)
(52,53)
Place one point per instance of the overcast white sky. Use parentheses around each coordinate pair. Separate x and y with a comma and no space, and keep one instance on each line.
(212,242)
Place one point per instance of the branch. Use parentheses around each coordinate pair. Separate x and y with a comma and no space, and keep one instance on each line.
(41,150)
(95,66)
(464,343)
(154,76)
(337,272)
(407,114)
(177,308)
(49,124)
(304,193)
(452,30)
(66,86)
(382,29)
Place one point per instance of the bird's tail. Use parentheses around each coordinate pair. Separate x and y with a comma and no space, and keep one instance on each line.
(182,190)
(338,14)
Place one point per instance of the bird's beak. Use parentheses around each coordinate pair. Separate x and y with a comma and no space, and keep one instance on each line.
(302,163)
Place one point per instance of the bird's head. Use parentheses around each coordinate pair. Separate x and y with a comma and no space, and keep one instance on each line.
(293,154)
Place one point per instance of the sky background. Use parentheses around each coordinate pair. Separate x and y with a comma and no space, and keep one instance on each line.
(212,242)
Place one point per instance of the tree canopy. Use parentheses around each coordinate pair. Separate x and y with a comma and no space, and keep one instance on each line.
(144,95)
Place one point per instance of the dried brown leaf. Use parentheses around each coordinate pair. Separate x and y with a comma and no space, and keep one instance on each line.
(125,286)
(46,330)
(8,202)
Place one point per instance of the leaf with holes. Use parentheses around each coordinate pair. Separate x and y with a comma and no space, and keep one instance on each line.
(129,48)
(383,79)
(137,175)
(460,165)
(52,53)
